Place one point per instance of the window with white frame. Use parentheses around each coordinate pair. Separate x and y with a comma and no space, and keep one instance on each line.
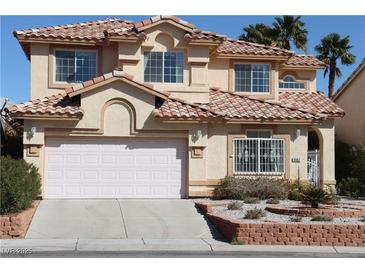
(258,155)
(163,67)
(74,66)
(252,77)
(289,82)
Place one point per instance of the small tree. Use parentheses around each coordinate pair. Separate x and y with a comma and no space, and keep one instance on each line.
(315,196)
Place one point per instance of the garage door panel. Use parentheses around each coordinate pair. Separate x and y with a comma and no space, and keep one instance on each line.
(115,169)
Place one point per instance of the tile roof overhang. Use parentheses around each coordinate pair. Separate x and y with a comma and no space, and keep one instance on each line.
(101,32)
(303,61)
(58,106)
(312,102)
(292,107)
(237,108)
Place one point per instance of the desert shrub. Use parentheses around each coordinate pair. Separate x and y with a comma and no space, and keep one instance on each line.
(251,200)
(273,201)
(19,185)
(296,190)
(255,213)
(235,241)
(362,220)
(261,187)
(315,196)
(295,219)
(321,218)
(352,187)
(234,205)
(350,171)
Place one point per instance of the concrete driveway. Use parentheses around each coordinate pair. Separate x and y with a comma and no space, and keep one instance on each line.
(119,218)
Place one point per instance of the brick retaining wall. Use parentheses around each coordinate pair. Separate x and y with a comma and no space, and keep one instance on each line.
(287,234)
(16,225)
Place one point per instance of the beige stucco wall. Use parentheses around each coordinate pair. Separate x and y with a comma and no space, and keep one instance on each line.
(41,66)
(111,110)
(351,128)
(201,69)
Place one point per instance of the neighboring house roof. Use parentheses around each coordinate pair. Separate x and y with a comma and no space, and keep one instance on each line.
(312,102)
(352,76)
(102,31)
(58,106)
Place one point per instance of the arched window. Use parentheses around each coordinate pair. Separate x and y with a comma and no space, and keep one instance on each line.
(289,82)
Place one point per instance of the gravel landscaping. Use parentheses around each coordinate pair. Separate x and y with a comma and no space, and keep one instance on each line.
(220,209)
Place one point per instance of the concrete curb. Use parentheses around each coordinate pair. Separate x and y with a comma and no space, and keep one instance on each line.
(162,245)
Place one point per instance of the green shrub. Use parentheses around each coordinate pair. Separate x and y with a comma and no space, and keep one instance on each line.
(352,187)
(295,219)
(315,196)
(273,201)
(235,241)
(321,218)
(19,185)
(255,213)
(239,188)
(350,171)
(296,190)
(251,200)
(234,205)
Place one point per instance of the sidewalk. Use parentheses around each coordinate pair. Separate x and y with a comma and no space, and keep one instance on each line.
(29,247)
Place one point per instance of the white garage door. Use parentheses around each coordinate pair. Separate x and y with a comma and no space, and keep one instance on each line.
(77,168)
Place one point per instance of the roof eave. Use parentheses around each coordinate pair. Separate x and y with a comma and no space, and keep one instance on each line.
(246,56)
(37,116)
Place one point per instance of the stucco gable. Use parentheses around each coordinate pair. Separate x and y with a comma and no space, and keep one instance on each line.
(116,75)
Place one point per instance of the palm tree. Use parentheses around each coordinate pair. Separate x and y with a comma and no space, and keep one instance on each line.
(332,48)
(258,33)
(290,29)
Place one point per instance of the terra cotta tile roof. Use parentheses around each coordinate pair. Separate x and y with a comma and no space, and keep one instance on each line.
(313,102)
(304,60)
(54,105)
(204,35)
(98,31)
(93,30)
(237,47)
(174,108)
(235,106)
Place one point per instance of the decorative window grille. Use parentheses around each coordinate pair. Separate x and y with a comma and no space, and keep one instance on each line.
(258,156)
(289,82)
(163,67)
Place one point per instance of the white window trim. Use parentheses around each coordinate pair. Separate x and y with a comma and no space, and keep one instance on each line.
(258,173)
(163,68)
(296,81)
(252,92)
(75,50)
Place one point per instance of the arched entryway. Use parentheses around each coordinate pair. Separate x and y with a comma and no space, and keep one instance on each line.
(314,157)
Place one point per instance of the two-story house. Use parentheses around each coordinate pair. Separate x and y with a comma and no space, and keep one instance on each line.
(161,109)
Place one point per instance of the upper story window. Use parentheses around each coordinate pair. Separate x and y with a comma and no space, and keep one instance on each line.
(163,67)
(252,77)
(289,82)
(74,66)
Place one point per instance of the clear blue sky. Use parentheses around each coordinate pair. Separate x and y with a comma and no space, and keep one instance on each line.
(15,66)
